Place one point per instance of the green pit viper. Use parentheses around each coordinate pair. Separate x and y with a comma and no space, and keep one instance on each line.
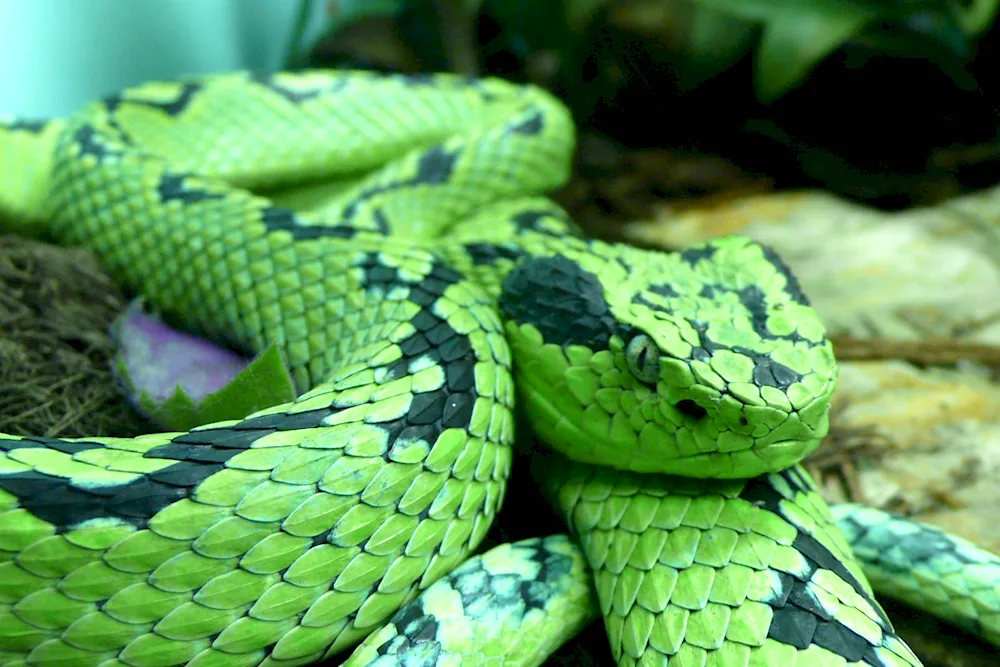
(391,235)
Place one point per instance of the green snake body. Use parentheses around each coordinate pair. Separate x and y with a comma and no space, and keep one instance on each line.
(390,235)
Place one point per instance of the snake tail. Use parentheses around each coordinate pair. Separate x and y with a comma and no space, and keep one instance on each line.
(926,568)
(513,605)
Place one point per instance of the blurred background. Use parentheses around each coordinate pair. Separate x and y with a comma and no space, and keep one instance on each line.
(890,102)
(58,55)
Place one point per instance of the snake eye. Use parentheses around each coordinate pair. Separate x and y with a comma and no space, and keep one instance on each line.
(643,359)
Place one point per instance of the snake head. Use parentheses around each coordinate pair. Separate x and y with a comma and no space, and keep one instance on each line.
(704,363)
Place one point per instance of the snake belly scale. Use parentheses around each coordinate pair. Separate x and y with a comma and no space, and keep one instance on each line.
(390,236)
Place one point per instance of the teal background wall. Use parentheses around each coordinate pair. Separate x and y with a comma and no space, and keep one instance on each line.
(55,55)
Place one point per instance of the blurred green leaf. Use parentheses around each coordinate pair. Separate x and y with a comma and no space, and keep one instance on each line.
(979,16)
(798,34)
(348,11)
(795,35)
(579,13)
(764,10)
(530,26)
(716,40)
(795,40)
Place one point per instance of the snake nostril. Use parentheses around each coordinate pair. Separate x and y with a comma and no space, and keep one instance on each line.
(689,408)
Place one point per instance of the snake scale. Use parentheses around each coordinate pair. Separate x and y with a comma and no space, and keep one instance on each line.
(391,236)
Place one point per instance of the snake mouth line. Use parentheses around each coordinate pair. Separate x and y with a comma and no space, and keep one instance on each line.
(667,458)
(785,453)
(743,464)
(772,450)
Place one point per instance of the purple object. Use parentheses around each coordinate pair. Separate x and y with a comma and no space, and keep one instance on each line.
(158,358)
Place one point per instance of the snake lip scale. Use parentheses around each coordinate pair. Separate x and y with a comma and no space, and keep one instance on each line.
(391,236)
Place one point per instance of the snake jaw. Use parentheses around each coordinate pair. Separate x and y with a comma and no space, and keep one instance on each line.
(625,425)
(732,435)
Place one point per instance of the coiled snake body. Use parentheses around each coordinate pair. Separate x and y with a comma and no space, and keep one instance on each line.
(390,235)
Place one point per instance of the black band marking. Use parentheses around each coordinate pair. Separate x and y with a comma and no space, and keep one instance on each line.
(563,301)
(532,125)
(278,219)
(489,254)
(692,256)
(92,142)
(172,188)
(188,91)
(297,95)
(30,126)
(792,286)
(533,221)
(798,619)
(508,595)
(434,167)
(434,338)
(199,454)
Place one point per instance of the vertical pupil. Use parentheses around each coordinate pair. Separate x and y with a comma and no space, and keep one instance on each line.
(640,359)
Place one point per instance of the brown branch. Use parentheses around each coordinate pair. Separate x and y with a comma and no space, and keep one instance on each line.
(927,352)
